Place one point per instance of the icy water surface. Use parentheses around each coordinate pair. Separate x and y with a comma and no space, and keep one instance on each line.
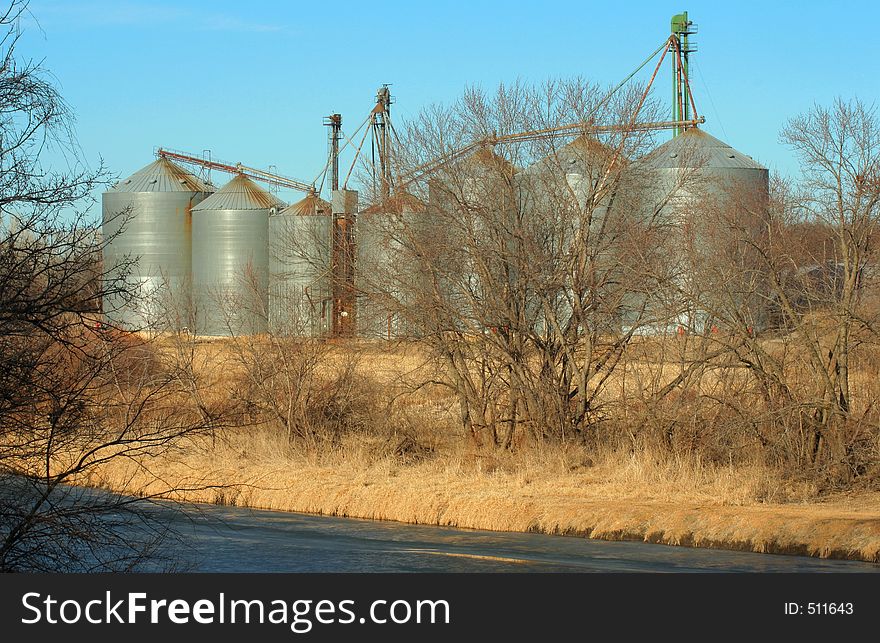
(231,539)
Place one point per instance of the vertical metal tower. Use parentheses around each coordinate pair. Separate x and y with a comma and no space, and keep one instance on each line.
(334,122)
(381,125)
(345,206)
(682,28)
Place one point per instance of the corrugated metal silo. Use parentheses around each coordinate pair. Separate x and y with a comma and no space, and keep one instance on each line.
(387,272)
(474,181)
(300,282)
(231,259)
(695,161)
(707,191)
(555,197)
(566,182)
(147,217)
(467,200)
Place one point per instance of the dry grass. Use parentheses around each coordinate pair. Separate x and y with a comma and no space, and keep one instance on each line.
(560,491)
(411,463)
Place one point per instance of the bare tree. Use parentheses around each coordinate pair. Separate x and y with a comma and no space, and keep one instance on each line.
(74,394)
(789,287)
(527,285)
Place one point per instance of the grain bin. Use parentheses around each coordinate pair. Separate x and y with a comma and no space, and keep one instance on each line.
(696,161)
(300,283)
(230,254)
(709,196)
(563,199)
(147,217)
(390,236)
(469,204)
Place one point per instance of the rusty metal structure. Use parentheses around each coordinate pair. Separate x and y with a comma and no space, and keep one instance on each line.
(147,219)
(344,204)
(380,125)
(334,122)
(238,169)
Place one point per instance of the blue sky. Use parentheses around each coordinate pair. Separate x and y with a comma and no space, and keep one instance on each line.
(252,80)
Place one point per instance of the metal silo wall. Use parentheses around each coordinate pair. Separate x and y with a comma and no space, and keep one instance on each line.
(552,198)
(230,271)
(300,285)
(387,275)
(451,252)
(480,202)
(691,201)
(744,194)
(682,187)
(374,272)
(157,233)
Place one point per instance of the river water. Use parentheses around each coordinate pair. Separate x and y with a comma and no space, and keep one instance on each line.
(233,539)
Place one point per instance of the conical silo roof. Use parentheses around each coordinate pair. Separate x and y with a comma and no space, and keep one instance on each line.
(580,152)
(485,158)
(311,205)
(398,203)
(482,165)
(240,194)
(696,148)
(162,175)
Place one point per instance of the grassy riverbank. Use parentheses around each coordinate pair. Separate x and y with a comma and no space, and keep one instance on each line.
(361,431)
(613,497)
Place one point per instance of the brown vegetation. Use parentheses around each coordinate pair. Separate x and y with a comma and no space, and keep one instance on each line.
(536,384)
(580,352)
(368,445)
